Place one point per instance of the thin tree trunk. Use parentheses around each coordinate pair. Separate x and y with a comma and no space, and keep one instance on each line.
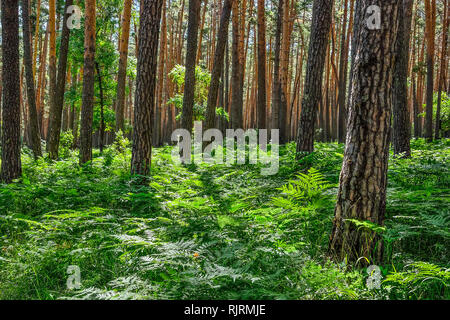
(56,108)
(35,137)
(441,84)
(430,10)
(218,64)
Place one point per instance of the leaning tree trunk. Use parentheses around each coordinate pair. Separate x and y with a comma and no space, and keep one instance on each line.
(87,107)
(363,179)
(56,108)
(35,135)
(402,125)
(191,55)
(320,30)
(144,101)
(218,64)
(11,167)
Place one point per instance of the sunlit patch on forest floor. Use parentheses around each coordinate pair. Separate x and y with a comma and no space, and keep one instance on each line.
(215,232)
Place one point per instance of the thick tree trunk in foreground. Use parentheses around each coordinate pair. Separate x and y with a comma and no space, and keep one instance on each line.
(191,55)
(35,135)
(145,86)
(11,167)
(363,179)
(402,124)
(218,64)
(87,107)
(320,30)
(122,75)
(56,108)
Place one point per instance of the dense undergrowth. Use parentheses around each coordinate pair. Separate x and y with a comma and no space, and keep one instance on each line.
(215,232)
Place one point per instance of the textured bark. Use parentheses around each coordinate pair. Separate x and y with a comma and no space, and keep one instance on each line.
(11,167)
(276,84)
(430,9)
(36,37)
(237,76)
(145,86)
(56,108)
(441,84)
(342,80)
(401,124)
(191,53)
(87,107)
(122,75)
(320,30)
(34,135)
(262,96)
(363,179)
(218,64)
(51,66)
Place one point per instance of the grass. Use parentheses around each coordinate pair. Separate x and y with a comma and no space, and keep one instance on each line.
(215,232)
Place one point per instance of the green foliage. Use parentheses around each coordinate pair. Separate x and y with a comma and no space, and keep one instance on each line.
(212,231)
(445,111)
(420,280)
(65,144)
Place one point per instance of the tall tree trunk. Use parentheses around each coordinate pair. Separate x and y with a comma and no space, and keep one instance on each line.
(276,83)
(218,64)
(191,53)
(122,75)
(87,108)
(51,68)
(11,167)
(145,86)
(237,76)
(56,108)
(320,30)
(363,179)
(430,10)
(401,123)
(343,64)
(35,137)
(441,84)
(261,99)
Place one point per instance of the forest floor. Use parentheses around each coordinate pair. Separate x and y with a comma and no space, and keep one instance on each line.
(215,232)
